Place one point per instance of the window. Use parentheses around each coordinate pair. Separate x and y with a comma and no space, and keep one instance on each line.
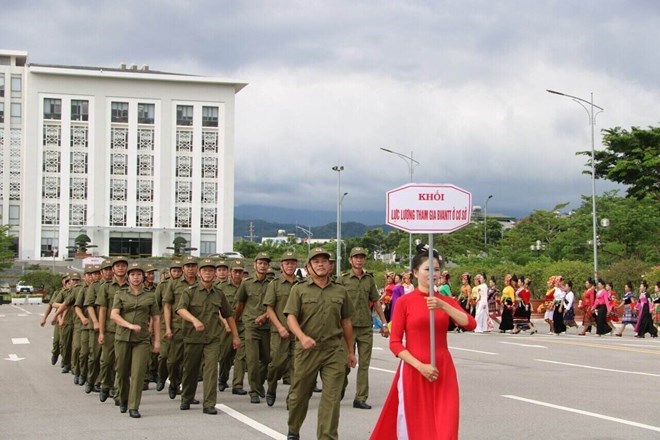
(79,110)
(16,86)
(2,85)
(2,112)
(52,108)
(14,215)
(15,112)
(119,111)
(184,115)
(146,113)
(206,248)
(209,116)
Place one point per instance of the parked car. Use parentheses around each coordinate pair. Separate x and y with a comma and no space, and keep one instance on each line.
(23,288)
(229,254)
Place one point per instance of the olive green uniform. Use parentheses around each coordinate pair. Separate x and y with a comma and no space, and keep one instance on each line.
(83,337)
(66,331)
(257,337)
(228,355)
(319,312)
(164,342)
(361,291)
(204,304)
(55,350)
(106,298)
(133,349)
(281,349)
(175,353)
(94,358)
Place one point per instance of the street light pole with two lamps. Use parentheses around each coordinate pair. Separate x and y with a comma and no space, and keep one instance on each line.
(486,223)
(340,198)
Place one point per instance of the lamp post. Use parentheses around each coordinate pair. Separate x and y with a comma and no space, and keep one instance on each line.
(338,169)
(308,233)
(411,163)
(589,108)
(486,223)
(538,247)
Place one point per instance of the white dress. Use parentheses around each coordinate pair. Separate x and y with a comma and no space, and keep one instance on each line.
(481,314)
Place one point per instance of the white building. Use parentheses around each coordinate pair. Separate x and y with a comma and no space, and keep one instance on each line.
(128,156)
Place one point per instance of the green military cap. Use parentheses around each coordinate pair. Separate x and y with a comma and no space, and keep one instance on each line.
(358,251)
(91,268)
(74,276)
(222,263)
(318,251)
(188,259)
(119,260)
(65,276)
(176,264)
(331,256)
(134,265)
(148,267)
(236,265)
(206,262)
(106,264)
(288,255)
(263,256)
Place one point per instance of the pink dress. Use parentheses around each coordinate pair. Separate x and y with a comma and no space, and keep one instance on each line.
(416,409)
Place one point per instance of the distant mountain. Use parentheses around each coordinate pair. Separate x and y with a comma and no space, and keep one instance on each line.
(305,217)
(262,228)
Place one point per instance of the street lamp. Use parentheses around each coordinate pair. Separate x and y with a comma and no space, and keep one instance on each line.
(538,247)
(309,234)
(486,222)
(592,122)
(411,163)
(338,169)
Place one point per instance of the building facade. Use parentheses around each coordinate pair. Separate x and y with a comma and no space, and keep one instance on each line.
(130,157)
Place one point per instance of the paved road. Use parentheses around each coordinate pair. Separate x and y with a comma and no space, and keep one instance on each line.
(512,387)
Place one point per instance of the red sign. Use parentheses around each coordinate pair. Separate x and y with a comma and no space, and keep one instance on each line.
(427,208)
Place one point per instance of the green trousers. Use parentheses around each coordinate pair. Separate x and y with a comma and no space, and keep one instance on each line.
(240,363)
(192,359)
(55,350)
(257,354)
(66,338)
(107,378)
(162,359)
(94,358)
(175,359)
(281,353)
(132,361)
(83,355)
(75,350)
(363,338)
(329,359)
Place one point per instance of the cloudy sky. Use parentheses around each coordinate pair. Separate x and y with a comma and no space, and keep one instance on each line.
(461,84)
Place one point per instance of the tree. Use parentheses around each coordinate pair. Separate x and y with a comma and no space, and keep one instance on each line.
(82,244)
(6,255)
(179,246)
(631,158)
(43,279)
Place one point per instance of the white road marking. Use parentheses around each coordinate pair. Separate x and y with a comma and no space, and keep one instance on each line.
(22,314)
(474,351)
(14,358)
(20,341)
(378,348)
(523,345)
(640,373)
(251,422)
(382,369)
(2,316)
(585,413)
(21,309)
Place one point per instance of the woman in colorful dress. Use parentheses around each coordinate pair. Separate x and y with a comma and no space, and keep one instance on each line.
(569,302)
(644,318)
(629,308)
(548,304)
(558,326)
(494,301)
(602,306)
(466,291)
(508,302)
(407,284)
(423,402)
(397,291)
(386,298)
(481,306)
(656,305)
(612,315)
(523,314)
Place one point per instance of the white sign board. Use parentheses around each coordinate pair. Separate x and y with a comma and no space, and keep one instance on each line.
(428,208)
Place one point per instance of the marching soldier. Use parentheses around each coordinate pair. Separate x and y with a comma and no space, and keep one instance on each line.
(150,285)
(64,316)
(56,295)
(257,330)
(281,348)
(221,271)
(92,272)
(94,359)
(319,315)
(202,305)
(362,291)
(176,271)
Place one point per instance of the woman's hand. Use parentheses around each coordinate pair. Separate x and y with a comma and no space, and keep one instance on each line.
(429,372)
(435,303)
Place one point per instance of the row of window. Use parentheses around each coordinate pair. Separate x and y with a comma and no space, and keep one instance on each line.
(15,112)
(16,86)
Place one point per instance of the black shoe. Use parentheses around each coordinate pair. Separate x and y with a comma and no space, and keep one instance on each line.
(291,436)
(145,387)
(184,406)
(96,389)
(194,402)
(112,393)
(123,407)
(82,381)
(210,410)
(88,388)
(103,395)
(261,392)
(160,386)
(134,413)
(239,391)
(270,399)
(66,369)
(360,404)
(53,359)
(75,379)
(171,391)
(223,386)
(255,399)
(317,389)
